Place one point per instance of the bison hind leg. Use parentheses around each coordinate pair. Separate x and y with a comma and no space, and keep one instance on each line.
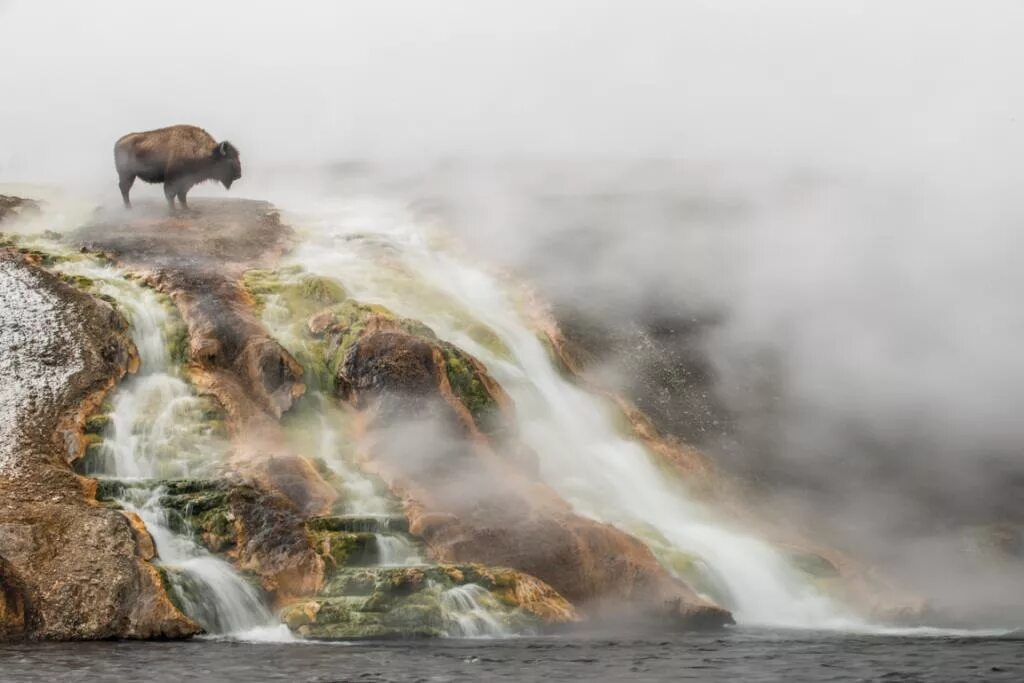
(125,182)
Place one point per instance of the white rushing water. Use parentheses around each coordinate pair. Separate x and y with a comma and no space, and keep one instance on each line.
(381,255)
(396,550)
(466,614)
(156,432)
(209,589)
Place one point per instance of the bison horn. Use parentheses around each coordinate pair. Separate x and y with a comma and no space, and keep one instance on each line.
(223,148)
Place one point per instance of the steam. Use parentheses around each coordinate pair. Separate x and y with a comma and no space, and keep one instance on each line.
(829,192)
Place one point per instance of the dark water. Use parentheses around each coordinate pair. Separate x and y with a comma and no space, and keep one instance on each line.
(732,656)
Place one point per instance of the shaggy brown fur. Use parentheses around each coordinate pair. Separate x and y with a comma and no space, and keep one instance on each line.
(179,157)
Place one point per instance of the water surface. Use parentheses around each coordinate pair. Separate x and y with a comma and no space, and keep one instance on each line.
(735,655)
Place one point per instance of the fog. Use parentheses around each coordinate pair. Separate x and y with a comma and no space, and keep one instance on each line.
(856,83)
(830,190)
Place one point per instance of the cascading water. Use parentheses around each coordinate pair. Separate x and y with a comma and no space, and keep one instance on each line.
(208,588)
(156,432)
(583,456)
(321,432)
(466,614)
(395,550)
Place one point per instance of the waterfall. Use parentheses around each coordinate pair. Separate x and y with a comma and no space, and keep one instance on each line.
(396,550)
(155,432)
(208,588)
(582,454)
(362,500)
(321,431)
(466,615)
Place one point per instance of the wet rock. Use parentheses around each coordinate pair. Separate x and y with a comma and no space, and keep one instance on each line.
(14,619)
(373,524)
(79,571)
(402,368)
(468,493)
(250,373)
(345,548)
(273,544)
(260,531)
(406,602)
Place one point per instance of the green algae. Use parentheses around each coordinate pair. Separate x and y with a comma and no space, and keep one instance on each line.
(467,385)
(342,548)
(402,602)
(301,294)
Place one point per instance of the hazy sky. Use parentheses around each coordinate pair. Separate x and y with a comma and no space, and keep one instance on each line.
(857,83)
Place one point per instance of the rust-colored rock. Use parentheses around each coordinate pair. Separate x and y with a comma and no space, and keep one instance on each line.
(272,543)
(470,503)
(70,569)
(14,617)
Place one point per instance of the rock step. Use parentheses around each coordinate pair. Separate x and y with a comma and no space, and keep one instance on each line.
(404,602)
(363,549)
(374,524)
(112,489)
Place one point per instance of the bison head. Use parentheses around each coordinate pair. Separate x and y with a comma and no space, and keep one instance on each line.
(228,167)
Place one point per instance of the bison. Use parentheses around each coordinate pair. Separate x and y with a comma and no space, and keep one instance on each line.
(179,157)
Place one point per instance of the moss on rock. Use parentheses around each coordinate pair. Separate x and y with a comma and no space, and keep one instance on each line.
(402,602)
(300,293)
(467,384)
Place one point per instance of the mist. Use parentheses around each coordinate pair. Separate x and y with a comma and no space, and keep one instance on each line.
(826,191)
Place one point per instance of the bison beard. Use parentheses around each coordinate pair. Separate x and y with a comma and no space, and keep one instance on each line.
(179,157)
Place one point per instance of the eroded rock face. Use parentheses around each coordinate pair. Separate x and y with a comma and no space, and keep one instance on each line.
(198,260)
(69,569)
(467,498)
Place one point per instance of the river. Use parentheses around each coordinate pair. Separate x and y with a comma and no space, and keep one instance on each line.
(733,655)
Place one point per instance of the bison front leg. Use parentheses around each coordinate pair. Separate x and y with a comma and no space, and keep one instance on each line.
(182,198)
(169,192)
(125,183)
